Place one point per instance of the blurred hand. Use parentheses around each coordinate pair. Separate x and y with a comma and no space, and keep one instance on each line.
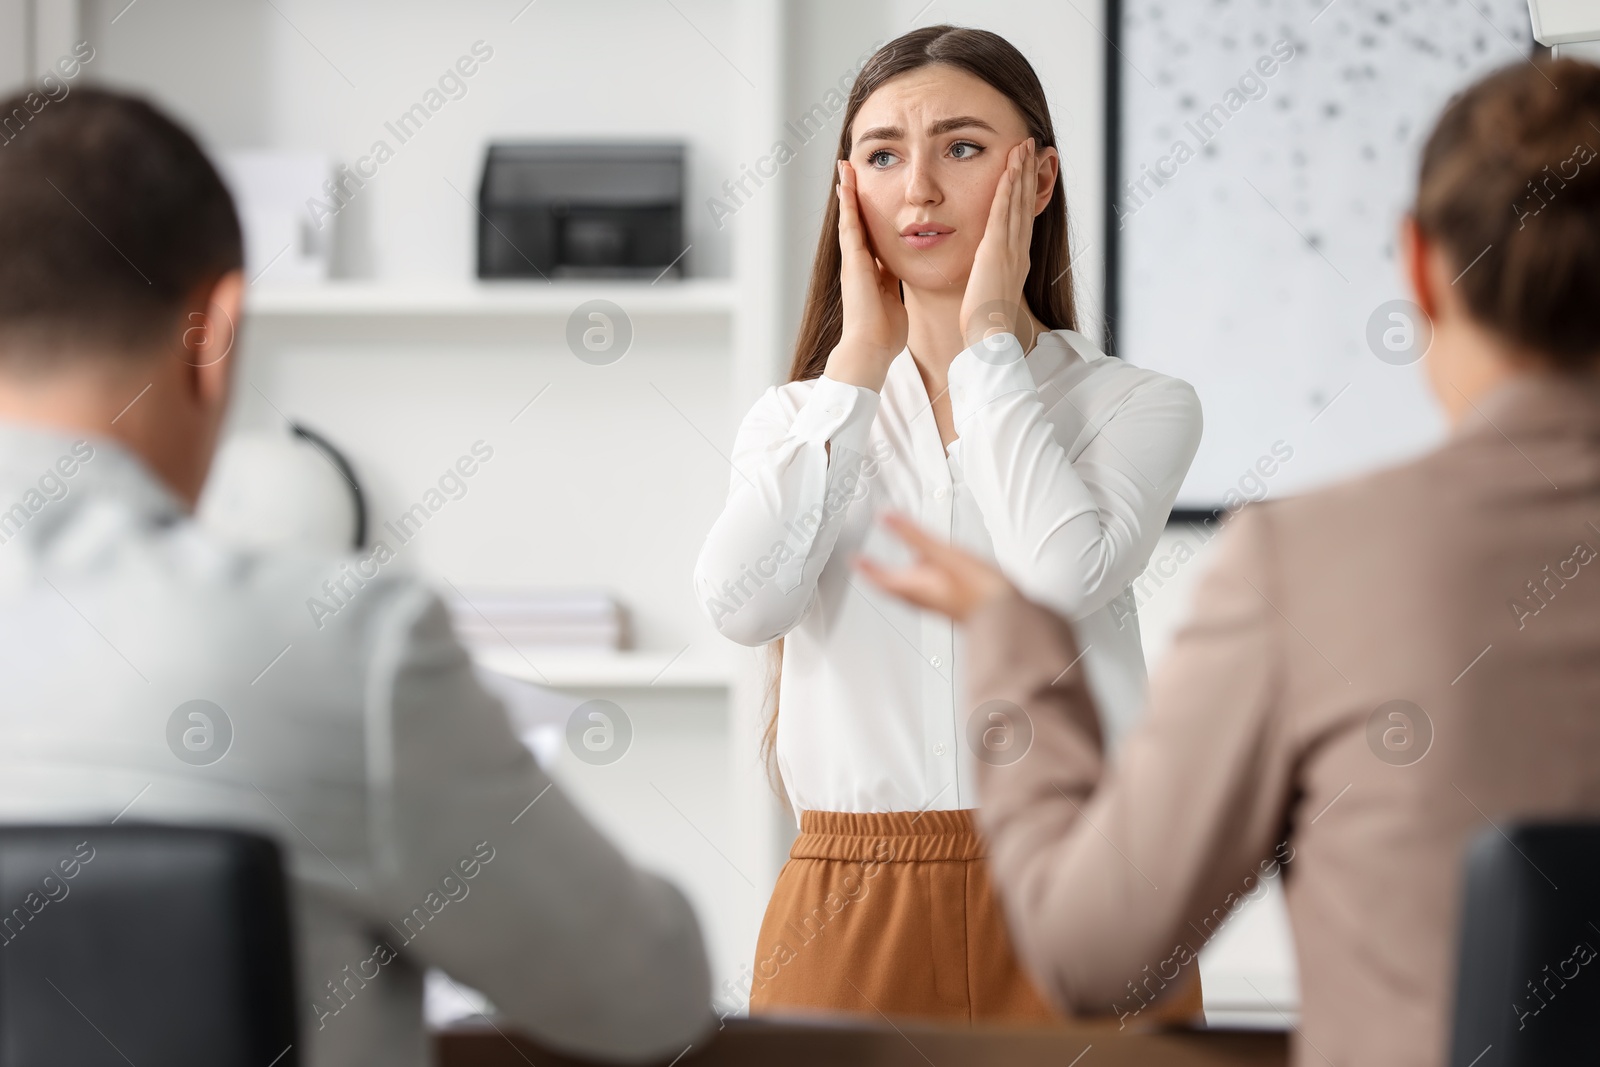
(941,578)
(875,324)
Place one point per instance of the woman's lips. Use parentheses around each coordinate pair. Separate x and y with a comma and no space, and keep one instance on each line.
(921,243)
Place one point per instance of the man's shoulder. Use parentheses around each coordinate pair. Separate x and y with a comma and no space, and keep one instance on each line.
(332,609)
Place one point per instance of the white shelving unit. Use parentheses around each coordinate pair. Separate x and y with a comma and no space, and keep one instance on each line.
(470,299)
(604,475)
(615,670)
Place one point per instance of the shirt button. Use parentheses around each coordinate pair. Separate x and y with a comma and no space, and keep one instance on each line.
(940,493)
(836,411)
(938,750)
(936,661)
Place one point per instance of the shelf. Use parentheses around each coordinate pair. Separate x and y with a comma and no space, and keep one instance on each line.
(606,670)
(366,299)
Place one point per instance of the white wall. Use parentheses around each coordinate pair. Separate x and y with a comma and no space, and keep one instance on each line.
(14,55)
(34,34)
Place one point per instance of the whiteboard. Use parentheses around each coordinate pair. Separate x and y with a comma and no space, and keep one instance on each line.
(1254,261)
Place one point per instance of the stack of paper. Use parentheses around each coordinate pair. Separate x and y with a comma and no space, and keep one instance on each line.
(566,619)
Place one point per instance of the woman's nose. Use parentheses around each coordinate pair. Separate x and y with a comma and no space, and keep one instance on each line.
(922,187)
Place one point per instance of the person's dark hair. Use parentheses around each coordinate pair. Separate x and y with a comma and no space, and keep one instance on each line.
(1510,187)
(1048,288)
(111,219)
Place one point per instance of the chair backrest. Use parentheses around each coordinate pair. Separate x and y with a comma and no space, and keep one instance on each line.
(1528,980)
(144,944)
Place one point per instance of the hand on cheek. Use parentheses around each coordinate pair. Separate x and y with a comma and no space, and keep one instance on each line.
(993,299)
(875,324)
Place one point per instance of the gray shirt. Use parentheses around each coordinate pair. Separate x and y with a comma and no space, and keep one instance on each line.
(153,673)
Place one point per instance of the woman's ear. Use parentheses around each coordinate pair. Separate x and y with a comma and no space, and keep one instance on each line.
(1414,247)
(1048,160)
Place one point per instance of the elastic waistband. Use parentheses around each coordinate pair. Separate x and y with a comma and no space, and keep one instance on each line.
(888,837)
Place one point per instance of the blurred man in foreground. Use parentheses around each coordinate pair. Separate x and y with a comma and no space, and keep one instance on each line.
(155,674)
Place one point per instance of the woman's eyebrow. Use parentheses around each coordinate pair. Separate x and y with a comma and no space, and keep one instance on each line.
(959,123)
(894,133)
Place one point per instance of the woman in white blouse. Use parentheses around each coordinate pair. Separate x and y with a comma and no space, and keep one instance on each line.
(938,372)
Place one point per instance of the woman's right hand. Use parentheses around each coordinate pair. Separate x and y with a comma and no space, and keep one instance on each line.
(875,324)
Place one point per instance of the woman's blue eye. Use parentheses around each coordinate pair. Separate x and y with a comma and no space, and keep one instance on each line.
(872,159)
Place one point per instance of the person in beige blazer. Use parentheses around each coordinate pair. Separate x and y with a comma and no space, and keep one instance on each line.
(1372,674)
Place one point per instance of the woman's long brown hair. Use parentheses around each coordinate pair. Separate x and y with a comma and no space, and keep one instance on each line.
(1048,288)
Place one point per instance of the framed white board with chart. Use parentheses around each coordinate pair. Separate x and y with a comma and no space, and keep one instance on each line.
(1260,158)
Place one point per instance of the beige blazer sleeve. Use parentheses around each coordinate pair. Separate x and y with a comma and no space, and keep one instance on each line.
(1114,875)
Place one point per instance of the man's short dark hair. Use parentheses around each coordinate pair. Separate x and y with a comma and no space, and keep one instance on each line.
(111,218)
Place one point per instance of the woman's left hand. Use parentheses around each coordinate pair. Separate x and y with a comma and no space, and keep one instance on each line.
(940,578)
(993,299)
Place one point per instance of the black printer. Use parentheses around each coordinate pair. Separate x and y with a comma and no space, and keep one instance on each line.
(581,210)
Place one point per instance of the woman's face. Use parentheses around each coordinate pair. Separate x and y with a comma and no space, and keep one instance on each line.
(929,149)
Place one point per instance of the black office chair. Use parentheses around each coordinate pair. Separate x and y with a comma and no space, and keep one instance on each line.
(159,946)
(1528,983)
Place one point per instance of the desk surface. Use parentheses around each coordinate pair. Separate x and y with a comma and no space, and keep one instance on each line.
(793,1044)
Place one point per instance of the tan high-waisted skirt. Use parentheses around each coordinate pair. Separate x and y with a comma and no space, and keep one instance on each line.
(894,914)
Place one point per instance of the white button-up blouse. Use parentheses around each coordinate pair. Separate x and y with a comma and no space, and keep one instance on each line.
(1064,471)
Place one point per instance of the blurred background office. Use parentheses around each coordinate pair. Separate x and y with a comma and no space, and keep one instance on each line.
(403,316)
